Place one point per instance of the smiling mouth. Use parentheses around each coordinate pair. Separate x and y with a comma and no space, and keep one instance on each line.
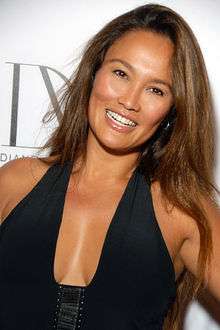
(120,119)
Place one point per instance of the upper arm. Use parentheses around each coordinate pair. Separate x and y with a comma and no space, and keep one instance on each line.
(17,178)
(190,249)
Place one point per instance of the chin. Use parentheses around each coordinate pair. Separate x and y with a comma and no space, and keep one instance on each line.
(116,149)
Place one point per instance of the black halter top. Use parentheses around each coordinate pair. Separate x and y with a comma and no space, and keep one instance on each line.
(134,283)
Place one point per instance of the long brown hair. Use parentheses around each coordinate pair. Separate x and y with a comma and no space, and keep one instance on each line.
(180,154)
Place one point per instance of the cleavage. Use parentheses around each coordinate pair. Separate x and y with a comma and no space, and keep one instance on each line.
(84,226)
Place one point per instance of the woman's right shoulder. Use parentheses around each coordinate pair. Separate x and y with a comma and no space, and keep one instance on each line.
(17,178)
(13,173)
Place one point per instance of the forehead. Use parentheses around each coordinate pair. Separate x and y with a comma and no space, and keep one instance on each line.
(144,50)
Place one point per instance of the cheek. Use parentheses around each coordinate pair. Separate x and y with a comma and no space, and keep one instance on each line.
(105,87)
(156,113)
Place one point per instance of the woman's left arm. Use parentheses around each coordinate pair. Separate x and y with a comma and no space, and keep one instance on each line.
(190,249)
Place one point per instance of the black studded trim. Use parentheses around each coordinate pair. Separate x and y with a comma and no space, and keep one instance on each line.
(69,308)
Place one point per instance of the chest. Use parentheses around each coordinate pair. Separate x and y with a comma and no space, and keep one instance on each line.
(86,221)
(108,241)
(91,234)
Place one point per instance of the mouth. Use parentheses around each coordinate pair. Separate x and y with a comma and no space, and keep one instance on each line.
(119,119)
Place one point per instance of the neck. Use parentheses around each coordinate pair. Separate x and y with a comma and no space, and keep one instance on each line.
(103,164)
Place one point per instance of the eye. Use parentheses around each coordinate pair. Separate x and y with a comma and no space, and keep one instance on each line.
(120,73)
(157,91)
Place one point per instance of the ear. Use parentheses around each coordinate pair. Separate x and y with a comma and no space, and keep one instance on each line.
(169,120)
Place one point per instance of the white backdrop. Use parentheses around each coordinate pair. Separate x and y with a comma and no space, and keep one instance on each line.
(39,41)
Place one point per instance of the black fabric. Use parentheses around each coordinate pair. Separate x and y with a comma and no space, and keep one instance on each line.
(134,283)
(68,315)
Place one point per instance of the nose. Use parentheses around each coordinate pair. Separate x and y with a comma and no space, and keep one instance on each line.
(130,99)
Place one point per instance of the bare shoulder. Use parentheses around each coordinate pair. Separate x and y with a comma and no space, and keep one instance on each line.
(179,219)
(175,225)
(17,178)
(182,235)
(191,247)
(20,171)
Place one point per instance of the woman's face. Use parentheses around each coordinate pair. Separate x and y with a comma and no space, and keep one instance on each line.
(132,91)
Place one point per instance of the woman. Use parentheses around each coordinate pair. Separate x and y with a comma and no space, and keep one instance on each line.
(105,233)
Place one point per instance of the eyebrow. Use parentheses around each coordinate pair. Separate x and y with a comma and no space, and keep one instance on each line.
(130,67)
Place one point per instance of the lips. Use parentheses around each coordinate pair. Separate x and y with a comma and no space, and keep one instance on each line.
(118,126)
(123,115)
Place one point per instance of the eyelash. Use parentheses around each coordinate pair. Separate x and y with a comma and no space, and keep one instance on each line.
(122,74)
(157,91)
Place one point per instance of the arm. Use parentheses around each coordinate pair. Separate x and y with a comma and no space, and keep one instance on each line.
(9,177)
(190,249)
(17,178)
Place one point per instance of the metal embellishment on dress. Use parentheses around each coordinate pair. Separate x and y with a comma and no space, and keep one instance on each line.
(68,315)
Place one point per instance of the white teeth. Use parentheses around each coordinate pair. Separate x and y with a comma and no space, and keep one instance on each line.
(122,120)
